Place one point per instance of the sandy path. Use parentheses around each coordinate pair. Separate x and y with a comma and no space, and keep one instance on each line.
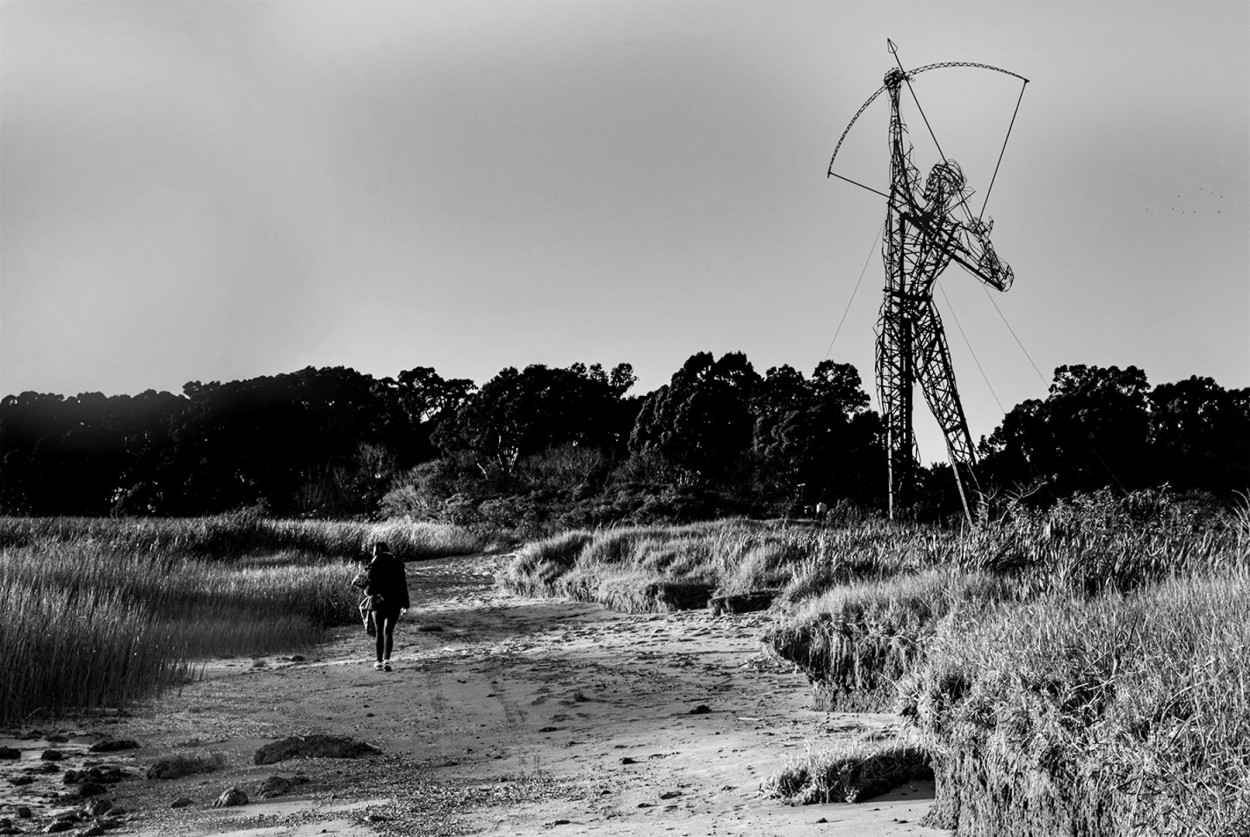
(519,716)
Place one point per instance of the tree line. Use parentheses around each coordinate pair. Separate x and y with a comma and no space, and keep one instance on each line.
(543,447)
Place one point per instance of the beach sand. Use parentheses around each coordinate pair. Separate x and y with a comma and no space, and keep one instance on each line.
(504,715)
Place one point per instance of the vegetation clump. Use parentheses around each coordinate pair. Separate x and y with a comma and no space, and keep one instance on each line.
(178,766)
(1080,669)
(124,607)
(853,771)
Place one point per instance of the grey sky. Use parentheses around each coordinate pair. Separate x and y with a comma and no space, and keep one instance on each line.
(218,190)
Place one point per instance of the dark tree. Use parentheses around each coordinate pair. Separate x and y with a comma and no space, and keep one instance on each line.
(1200,436)
(521,414)
(1091,431)
(702,420)
(814,439)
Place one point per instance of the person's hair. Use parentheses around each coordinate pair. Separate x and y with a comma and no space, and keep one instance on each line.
(381,546)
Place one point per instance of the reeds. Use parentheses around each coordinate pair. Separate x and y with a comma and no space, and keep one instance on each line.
(1079,670)
(1121,714)
(230,536)
(854,770)
(97,613)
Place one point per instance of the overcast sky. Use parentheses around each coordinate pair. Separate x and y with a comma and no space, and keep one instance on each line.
(220,190)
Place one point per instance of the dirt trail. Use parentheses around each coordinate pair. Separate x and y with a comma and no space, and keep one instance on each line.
(511,716)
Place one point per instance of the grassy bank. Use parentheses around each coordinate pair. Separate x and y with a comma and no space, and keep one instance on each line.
(97,613)
(1081,670)
(229,536)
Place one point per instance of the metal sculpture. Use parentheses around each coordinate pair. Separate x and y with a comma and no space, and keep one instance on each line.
(927,226)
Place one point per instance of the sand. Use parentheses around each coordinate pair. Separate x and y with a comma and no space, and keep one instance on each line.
(504,715)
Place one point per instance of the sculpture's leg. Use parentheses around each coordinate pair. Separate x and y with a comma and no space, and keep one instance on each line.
(937,380)
(895,377)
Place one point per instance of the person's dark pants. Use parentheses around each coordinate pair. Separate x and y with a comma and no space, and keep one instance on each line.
(384,626)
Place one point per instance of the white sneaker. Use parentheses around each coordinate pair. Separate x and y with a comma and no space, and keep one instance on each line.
(377,666)
(386,666)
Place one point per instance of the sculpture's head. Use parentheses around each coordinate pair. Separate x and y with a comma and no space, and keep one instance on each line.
(945,183)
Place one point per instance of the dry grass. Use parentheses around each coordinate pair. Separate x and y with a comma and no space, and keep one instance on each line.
(849,771)
(856,641)
(231,536)
(1083,670)
(86,623)
(1121,714)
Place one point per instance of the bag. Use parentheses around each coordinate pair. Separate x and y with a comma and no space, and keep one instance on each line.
(367,605)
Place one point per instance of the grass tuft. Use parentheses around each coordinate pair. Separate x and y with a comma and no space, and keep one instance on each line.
(849,771)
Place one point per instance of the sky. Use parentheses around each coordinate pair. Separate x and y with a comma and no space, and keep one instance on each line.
(217,190)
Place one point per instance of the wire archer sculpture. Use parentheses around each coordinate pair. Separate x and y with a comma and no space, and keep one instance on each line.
(928,225)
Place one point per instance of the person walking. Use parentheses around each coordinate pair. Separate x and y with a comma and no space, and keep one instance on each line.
(386,587)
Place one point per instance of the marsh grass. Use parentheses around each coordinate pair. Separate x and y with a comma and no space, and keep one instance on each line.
(854,770)
(856,641)
(1079,670)
(231,536)
(1121,714)
(631,568)
(99,613)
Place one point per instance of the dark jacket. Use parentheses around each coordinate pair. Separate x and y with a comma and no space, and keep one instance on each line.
(386,578)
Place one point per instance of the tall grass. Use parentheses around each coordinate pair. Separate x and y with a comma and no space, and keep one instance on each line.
(97,613)
(1079,670)
(623,567)
(230,536)
(1121,714)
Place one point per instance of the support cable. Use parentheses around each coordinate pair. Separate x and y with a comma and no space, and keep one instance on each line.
(968,343)
(1040,376)
(871,252)
(1089,443)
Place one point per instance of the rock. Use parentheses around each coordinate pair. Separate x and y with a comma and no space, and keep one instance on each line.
(670,794)
(104,774)
(230,798)
(10,753)
(97,807)
(87,789)
(56,738)
(429,628)
(94,830)
(19,781)
(47,767)
(314,746)
(181,802)
(701,709)
(175,767)
(113,745)
(51,755)
(58,825)
(23,813)
(628,760)
(280,785)
(297,658)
